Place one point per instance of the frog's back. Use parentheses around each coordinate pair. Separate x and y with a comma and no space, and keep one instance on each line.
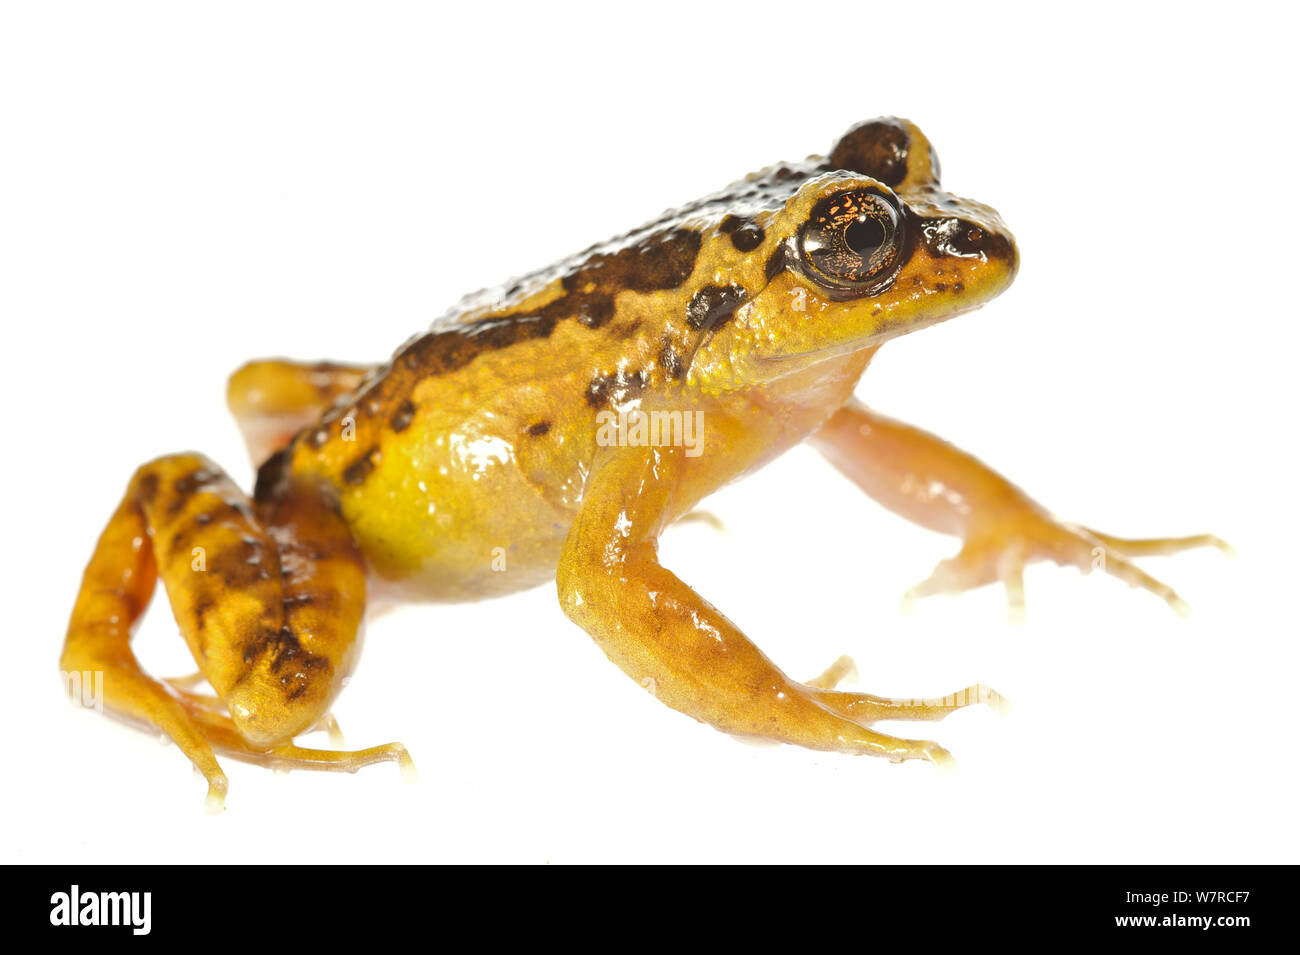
(469,449)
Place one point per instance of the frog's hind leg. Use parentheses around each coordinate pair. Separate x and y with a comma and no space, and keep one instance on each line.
(272,399)
(269,597)
(115,590)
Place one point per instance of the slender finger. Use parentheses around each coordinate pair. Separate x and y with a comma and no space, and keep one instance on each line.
(842,669)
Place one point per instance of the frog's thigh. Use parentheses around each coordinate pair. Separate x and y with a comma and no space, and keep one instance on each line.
(674,643)
(934,484)
(273,398)
(269,601)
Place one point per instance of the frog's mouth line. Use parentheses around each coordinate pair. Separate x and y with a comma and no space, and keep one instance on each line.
(873,341)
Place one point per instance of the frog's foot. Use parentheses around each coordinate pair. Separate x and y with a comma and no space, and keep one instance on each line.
(865,708)
(224,737)
(1000,553)
(268,595)
(208,712)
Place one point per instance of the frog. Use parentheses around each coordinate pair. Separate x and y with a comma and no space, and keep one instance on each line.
(549,430)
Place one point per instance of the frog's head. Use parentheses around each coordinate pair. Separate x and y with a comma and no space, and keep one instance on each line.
(857,247)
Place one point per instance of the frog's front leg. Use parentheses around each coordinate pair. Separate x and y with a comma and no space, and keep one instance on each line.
(273,398)
(938,486)
(269,597)
(673,642)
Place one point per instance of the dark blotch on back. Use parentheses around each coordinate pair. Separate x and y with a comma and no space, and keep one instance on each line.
(615,388)
(876,148)
(401,418)
(745,235)
(539,428)
(662,260)
(446,350)
(670,359)
(359,470)
(713,305)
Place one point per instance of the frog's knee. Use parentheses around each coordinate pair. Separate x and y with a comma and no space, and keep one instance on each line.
(249,386)
(285,693)
(282,686)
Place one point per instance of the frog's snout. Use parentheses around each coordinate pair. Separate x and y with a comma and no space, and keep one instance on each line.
(970,231)
(996,244)
(976,238)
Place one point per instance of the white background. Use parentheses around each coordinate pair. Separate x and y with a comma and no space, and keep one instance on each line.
(184,187)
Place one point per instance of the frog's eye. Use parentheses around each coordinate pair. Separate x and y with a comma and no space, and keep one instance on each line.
(851,240)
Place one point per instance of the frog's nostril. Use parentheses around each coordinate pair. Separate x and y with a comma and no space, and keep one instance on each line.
(976,240)
(970,239)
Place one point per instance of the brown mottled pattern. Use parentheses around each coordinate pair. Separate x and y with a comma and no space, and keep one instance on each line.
(661,260)
(688,311)
(714,304)
(746,236)
(615,388)
(401,418)
(360,469)
(660,255)
(271,593)
(670,359)
(208,545)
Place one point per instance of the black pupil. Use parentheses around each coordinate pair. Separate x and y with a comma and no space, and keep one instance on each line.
(864,235)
